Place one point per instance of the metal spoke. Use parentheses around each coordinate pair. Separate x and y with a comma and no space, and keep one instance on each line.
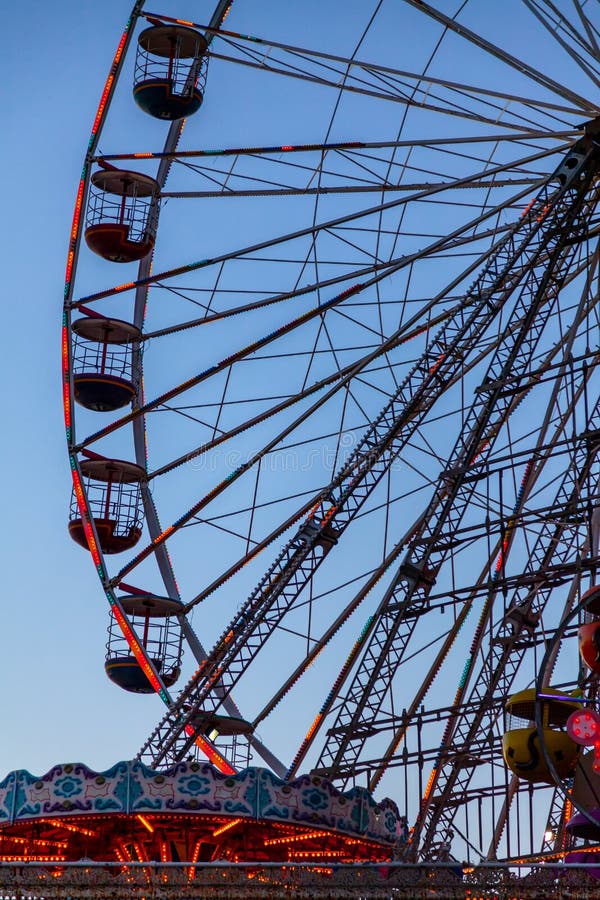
(585,67)
(589,29)
(143,282)
(510,60)
(580,102)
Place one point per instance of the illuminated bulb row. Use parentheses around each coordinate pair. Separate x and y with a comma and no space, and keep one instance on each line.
(140,851)
(58,823)
(226,827)
(61,845)
(126,855)
(195,855)
(295,837)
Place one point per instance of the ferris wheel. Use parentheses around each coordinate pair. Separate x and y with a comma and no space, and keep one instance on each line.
(331,390)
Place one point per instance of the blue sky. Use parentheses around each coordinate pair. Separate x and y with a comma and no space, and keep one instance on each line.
(56,705)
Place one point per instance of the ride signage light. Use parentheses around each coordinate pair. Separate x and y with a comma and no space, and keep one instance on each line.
(583,727)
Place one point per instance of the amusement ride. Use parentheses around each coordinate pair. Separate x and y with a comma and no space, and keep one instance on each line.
(331,392)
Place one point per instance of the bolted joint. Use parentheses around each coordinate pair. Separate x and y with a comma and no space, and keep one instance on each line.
(417,574)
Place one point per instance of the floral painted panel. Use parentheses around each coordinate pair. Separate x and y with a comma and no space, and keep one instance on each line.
(7,797)
(72,788)
(192,787)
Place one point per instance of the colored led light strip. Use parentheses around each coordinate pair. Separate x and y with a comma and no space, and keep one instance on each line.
(505,546)
(508,531)
(329,698)
(96,127)
(137,649)
(240,151)
(61,845)
(140,851)
(123,853)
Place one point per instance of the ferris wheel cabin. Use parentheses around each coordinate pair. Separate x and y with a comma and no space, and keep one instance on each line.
(586,824)
(521,746)
(155,622)
(170,71)
(122,214)
(102,362)
(589,633)
(115,502)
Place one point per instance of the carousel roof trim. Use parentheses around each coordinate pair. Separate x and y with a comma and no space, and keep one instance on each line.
(193,788)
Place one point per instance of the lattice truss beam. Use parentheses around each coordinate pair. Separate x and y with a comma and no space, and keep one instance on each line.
(430,544)
(531,262)
(553,561)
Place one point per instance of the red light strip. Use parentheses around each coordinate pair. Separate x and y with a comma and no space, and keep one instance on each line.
(85,517)
(38,842)
(33,859)
(136,648)
(98,121)
(138,651)
(240,151)
(211,752)
(66,378)
(510,525)
(80,496)
(123,853)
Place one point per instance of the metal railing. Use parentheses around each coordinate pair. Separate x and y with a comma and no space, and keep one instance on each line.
(314,879)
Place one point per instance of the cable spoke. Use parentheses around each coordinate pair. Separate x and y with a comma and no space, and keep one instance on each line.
(589,71)
(466,33)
